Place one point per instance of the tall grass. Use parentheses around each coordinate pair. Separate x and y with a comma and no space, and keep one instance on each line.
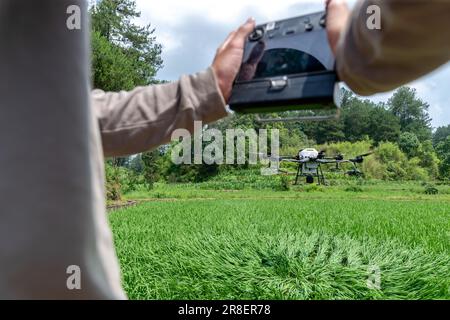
(285,249)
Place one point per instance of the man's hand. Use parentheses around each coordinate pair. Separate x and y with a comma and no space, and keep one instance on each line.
(229,56)
(338,14)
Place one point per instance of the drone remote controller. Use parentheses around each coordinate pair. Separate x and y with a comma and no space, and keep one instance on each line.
(287,65)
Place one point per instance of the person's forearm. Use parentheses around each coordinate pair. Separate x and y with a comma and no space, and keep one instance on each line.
(142,119)
(413,41)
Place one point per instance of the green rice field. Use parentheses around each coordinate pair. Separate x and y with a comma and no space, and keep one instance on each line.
(377,241)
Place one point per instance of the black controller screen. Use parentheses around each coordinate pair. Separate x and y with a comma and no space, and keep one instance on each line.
(278,62)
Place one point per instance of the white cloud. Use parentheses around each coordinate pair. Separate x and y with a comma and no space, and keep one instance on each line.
(432,89)
(191,30)
(221,12)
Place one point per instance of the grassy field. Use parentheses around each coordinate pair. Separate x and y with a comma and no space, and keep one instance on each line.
(374,241)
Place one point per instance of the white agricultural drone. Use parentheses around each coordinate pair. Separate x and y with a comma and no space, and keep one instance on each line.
(310,163)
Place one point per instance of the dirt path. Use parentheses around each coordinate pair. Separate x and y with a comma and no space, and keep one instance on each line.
(135,202)
(118,206)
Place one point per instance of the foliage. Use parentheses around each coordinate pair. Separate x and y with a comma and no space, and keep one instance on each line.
(292,140)
(312,188)
(151,164)
(409,144)
(393,159)
(125,55)
(186,172)
(112,70)
(388,162)
(363,118)
(431,189)
(136,164)
(384,126)
(120,181)
(443,150)
(429,159)
(354,188)
(440,135)
(324,131)
(113,187)
(412,112)
(371,166)
(285,184)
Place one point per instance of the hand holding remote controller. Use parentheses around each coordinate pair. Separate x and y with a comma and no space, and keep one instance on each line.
(229,57)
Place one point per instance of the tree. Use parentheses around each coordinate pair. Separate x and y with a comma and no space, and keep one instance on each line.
(412,112)
(111,68)
(136,164)
(292,140)
(383,125)
(125,55)
(443,150)
(429,159)
(324,131)
(360,119)
(151,167)
(364,118)
(441,135)
(409,144)
(113,185)
(356,118)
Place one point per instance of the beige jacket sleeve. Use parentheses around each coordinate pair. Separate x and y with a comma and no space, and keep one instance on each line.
(414,40)
(142,119)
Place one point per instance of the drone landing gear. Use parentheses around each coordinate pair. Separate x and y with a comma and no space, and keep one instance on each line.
(321,176)
(298,174)
(301,172)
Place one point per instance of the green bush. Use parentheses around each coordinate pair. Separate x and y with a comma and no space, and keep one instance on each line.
(285,184)
(431,189)
(414,171)
(443,151)
(313,188)
(389,162)
(397,165)
(409,144)
(354,188)
(371,166)
(120,180)
(113,190)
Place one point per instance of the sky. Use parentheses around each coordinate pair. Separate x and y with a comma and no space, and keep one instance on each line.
(191,30)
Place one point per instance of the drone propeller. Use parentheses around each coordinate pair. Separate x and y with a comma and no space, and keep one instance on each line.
(275,158)
(322,154)
(360,158)
(339,157)
(355,173)
(296,160)
(366,154)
